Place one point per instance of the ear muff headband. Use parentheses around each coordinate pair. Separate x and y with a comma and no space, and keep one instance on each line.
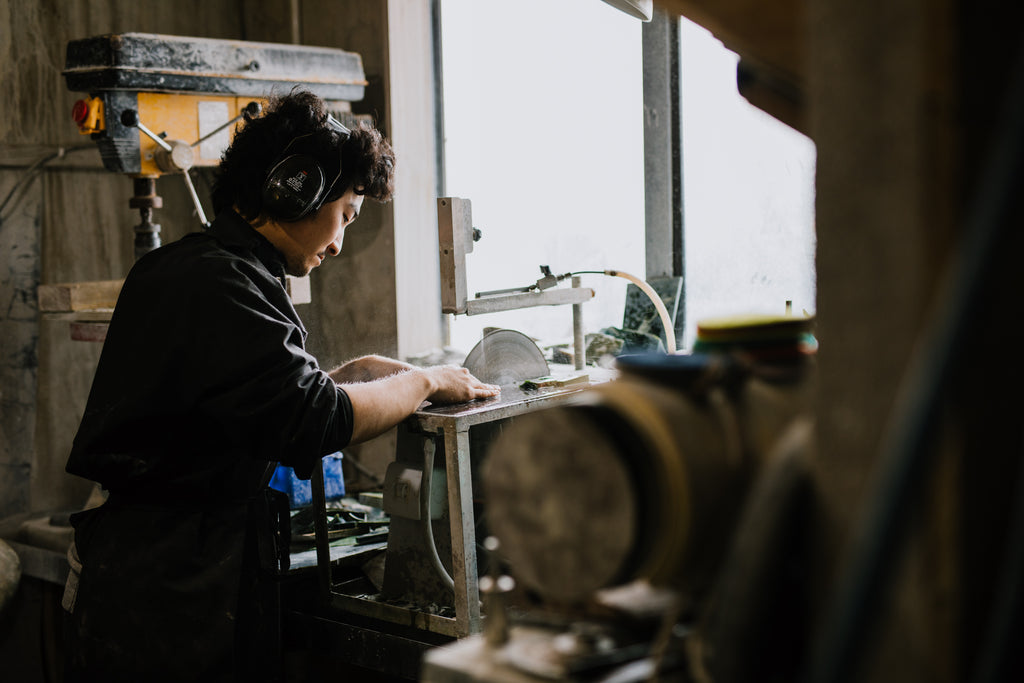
(297,185)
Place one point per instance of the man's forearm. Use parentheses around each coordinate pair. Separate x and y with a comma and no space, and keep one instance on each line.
(367,369)
(379,405)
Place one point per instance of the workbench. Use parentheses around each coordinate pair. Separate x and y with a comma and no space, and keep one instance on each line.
(449,426)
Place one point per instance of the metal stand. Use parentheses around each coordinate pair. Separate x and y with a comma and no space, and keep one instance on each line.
(408,556)
(579,345)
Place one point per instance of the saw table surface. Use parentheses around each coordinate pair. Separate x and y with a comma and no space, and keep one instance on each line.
(512,400)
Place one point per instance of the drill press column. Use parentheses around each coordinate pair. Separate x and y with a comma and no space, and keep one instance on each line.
(147,233)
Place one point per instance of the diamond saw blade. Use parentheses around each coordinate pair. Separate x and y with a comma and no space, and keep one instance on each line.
(506,357)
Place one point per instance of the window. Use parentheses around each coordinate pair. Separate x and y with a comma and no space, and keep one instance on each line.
(748,194)
(544,134)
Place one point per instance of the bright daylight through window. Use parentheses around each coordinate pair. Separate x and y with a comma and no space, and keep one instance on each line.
(543,122)
(748,195)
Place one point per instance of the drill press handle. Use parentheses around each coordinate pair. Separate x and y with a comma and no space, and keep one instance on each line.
(174,156)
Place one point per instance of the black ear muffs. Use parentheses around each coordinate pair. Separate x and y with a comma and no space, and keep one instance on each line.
(297,185)
(294,188)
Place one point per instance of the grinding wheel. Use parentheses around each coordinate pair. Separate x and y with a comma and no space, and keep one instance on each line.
(506,357)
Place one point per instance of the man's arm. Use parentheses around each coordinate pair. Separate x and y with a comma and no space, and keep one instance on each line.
(367,369)
(379,405)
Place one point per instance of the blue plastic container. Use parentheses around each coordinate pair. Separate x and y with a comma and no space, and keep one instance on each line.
(299,492)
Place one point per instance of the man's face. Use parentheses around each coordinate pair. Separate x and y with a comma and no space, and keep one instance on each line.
(307,242)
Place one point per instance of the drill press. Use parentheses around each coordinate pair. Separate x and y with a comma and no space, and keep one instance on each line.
(149,94)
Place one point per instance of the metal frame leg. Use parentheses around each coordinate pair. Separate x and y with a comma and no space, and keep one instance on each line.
(463,530)
(323,544)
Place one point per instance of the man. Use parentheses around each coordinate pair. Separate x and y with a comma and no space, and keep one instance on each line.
(204,384)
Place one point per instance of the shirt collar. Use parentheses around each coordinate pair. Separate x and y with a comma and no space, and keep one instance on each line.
(230,229)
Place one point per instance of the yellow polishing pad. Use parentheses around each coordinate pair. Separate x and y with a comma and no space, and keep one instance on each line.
(753,328)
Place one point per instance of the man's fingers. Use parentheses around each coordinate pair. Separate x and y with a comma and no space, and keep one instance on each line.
(487,390)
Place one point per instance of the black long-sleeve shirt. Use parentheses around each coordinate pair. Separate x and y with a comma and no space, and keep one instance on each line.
(203,377)
(203,381)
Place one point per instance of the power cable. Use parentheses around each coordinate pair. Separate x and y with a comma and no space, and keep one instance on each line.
(34,169)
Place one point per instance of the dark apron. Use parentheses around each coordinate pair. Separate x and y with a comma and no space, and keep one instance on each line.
(176,592)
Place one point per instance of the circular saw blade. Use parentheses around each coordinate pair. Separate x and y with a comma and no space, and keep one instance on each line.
(506,357)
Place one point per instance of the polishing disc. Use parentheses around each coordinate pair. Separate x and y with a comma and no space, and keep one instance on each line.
(506,357)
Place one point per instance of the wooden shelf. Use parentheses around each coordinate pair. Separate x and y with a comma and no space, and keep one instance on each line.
(87,306)
(79,297)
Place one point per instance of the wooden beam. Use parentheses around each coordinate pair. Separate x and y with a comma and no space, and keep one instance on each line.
(89,331)
(769,37)
(71,297)
(769,33)
(77,297)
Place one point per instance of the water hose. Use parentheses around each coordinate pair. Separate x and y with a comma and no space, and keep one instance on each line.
(659,305)
(428,528)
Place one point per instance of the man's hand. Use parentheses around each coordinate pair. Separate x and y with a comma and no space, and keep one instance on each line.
(452,384)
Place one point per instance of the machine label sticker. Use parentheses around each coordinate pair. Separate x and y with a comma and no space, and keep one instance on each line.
(211,116)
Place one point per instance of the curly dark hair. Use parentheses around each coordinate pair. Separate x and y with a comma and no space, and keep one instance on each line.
(367,160)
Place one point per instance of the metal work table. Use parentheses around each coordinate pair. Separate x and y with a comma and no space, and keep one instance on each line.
(452,423)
